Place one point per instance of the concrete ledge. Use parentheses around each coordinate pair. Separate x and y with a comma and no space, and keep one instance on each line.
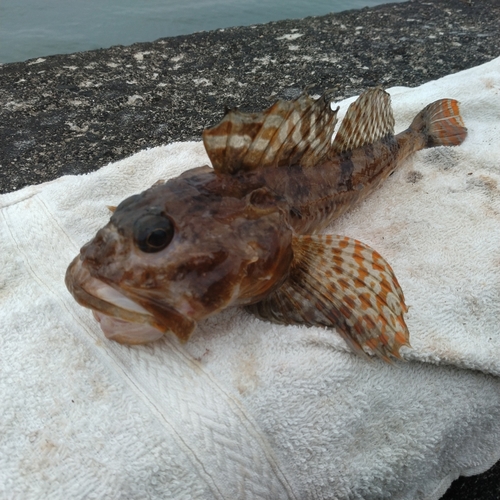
(75,113)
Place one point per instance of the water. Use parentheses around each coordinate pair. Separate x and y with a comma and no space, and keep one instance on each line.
(35,28)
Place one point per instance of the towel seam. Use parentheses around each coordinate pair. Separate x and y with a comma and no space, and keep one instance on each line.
(243,417)
(240,414)
(116,367)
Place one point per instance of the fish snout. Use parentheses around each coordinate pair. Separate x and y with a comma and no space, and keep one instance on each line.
(102,249)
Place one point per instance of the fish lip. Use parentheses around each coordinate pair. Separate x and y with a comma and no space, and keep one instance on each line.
(89,292)
(102,297)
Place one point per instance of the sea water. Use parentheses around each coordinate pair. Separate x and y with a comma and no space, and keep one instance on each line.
(35,28)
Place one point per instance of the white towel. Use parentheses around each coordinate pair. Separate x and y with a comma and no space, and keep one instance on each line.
(248,409)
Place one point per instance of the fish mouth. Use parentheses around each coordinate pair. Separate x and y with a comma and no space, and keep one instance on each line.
(122,318)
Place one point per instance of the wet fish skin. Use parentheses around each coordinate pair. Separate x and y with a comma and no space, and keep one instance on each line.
(245,232)
(250,253)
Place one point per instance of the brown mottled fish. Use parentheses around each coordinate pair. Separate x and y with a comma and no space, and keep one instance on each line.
(245,232)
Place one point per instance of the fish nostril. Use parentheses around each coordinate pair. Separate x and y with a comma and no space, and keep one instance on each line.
(84,249)
(102,246)
(88,251)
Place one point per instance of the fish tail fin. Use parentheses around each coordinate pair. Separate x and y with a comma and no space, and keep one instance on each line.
(441,124)
(339,282)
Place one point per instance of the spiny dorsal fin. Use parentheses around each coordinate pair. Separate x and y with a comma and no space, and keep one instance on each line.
(367,120)
(336,281)
(287,133)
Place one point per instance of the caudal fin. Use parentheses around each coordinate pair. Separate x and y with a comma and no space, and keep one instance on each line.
(441,124)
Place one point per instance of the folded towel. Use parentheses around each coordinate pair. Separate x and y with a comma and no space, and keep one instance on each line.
(248,409)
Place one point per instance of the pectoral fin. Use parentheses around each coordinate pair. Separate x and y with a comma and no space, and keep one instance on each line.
(336,281)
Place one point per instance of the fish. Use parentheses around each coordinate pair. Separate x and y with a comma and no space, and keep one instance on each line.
(248,230)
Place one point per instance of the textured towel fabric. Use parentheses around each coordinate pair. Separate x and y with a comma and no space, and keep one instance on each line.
(248,409)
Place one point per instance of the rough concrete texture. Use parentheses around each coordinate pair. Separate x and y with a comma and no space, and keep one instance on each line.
(75,113)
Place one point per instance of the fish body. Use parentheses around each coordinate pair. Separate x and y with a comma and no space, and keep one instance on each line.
(247,231)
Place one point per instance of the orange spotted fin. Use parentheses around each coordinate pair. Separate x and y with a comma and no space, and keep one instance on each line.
(367,120)
(336,281)
(287,133)
(441,124)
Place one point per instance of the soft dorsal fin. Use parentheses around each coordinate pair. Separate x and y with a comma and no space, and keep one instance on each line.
(367,120)
(336,281)
(289,132)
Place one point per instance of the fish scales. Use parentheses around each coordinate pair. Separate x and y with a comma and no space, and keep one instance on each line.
(246,232)
(317,196)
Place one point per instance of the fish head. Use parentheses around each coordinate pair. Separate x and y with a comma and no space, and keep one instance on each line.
(176,254)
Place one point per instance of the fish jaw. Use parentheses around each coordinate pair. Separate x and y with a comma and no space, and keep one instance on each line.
(121,318)
(126,332)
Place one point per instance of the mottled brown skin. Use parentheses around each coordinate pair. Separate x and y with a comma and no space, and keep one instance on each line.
(232,242)
(231,246)
(317,196)
(242,233)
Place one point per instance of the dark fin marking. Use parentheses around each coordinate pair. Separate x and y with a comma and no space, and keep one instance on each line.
(287,133)
(441,123)
(336,281)
(367,120)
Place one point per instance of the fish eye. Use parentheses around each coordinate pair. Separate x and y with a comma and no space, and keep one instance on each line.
(153,233)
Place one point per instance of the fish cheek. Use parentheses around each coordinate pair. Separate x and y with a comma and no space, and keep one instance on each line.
(219,294)
(199,265)
(206,281)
